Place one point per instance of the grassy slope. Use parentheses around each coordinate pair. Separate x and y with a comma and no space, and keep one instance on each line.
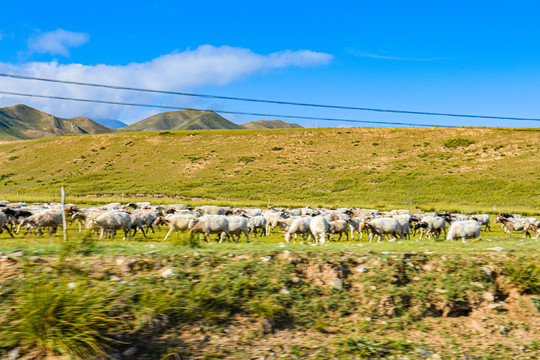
(361,167)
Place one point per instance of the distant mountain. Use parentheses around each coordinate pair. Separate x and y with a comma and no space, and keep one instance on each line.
(90,126)
(183,120)
(24,122)
(271,124)
(113,124)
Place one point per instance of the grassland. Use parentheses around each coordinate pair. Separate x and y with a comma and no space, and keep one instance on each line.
(464,169)
(269,299)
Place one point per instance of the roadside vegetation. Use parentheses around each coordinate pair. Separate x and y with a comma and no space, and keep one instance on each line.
(188,299)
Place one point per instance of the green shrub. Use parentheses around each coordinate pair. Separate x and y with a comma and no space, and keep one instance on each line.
(151,308)
(268,308)
(60,318)
(457,142)
(370,349)
(525,275)
(246,159)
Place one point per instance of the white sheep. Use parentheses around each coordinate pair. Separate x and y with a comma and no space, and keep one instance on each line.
(434,226)
(465,229)
(111,222)
(383,226)
(299,225)
(210,224)
(272,217)
(238,225)
(404,221)
(483,219)
(257,224)
(338,227)
(318,227)
(50,219)
(175,222)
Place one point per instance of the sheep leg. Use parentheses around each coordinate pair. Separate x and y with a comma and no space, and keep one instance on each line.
(169,233)
(9,232)
(223,236)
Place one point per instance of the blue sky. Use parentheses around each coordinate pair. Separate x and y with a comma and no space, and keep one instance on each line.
(480,57)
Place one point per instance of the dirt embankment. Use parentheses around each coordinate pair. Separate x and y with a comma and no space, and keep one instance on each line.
(284,304)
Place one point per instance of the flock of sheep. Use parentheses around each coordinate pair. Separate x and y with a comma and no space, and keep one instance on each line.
(308,223)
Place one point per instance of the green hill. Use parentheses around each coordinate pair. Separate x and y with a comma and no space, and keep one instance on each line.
(486,169)
(271,124)
(182,120)
(24,122)
(90,126)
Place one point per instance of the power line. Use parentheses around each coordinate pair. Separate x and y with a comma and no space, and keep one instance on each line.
(217,111)
(23,77)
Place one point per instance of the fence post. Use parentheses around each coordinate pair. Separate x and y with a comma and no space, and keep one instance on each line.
(64,223)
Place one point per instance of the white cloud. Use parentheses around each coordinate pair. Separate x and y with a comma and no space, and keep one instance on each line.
(57,42)
(178,71)
(5,36)
(385,56)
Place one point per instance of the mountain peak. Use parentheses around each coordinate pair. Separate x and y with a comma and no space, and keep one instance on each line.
(24,122)
(271,124)
(188,119)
